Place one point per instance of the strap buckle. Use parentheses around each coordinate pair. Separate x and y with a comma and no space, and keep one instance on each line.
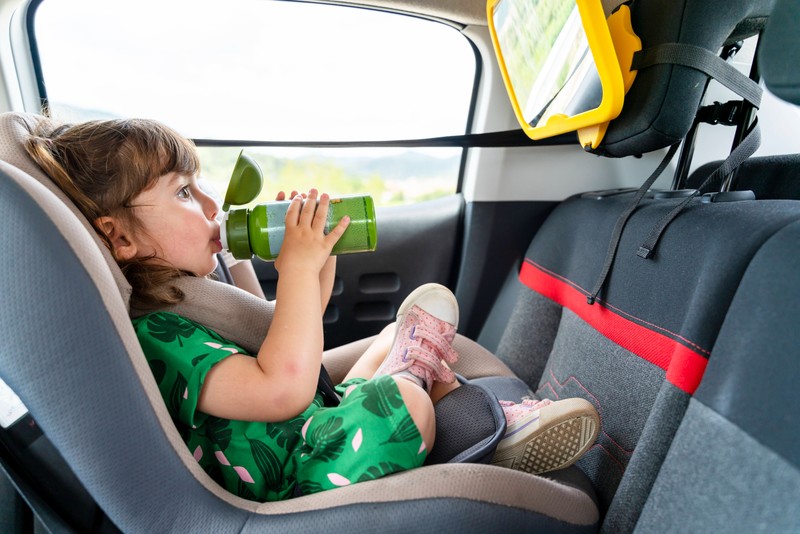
(717,113)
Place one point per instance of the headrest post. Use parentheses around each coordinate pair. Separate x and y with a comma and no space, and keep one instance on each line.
(747,114)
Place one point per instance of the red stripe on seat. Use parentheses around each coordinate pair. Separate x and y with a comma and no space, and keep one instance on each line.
(684,366)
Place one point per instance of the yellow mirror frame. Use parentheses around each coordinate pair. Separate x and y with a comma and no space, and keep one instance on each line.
(605,49)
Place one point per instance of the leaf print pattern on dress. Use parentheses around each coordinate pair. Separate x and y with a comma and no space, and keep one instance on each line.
(267,462)
(176,395)
(380,470)
(328,440)
(159,369)
(286,433)
(379,399)
(358,439)
(221,458)
(244,492)
(168,327)
(338,480)
(218,431)
(198,359)
(307,487)
(244,474)
(405,431)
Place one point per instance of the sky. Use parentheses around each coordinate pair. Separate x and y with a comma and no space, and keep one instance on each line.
(258,69)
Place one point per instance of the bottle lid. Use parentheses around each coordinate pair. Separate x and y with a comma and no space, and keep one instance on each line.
(246,182)
(236,238)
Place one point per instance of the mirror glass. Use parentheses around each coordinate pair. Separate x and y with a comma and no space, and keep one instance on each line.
(549,65)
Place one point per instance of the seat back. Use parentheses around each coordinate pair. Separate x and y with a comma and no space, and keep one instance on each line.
(768,177)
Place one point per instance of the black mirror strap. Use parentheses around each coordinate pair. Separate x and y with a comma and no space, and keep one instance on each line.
(743,151)
(616,235)
(705,61)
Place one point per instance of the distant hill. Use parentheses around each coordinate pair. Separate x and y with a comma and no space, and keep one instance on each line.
(395,167)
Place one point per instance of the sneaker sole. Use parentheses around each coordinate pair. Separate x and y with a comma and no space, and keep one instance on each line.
(566,436)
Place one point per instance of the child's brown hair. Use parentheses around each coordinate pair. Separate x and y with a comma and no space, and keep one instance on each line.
(102,166)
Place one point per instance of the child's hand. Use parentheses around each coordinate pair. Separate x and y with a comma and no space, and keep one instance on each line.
(282,196)
(305,245)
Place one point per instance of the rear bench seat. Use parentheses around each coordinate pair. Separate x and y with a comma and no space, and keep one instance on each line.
(638,353)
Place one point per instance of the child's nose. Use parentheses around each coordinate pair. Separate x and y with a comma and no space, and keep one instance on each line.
(210,206)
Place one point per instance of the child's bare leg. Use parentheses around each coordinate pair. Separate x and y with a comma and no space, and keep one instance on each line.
(440,389)
(420,407)
(373,357)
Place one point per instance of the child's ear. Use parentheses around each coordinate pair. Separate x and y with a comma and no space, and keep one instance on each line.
(122,245)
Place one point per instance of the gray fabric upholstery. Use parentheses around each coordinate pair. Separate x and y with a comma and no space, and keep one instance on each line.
(778,58)
(734,462)
(524,349)
(768,177)
(718,478)
(622,386)
(609,354)
(646,460)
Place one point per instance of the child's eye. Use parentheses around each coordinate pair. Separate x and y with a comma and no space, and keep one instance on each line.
(184,193)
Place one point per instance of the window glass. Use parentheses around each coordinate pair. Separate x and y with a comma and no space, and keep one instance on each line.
(270,71)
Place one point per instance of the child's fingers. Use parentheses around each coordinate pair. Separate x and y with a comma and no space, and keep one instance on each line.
(281,196)
(321,215)
(337,231)
(309,207)
(293,211)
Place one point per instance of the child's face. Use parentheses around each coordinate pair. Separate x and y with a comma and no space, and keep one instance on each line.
(179,224)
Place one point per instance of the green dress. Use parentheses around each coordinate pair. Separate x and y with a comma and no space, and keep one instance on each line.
(369,435)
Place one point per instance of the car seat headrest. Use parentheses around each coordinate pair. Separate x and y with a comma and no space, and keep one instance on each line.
(661,105)
(15,128)
(778,57)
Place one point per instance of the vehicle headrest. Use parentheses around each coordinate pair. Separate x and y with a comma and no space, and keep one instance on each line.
(660,106)
(778,57)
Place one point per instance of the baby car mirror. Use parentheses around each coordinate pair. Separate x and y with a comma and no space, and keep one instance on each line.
(560,61)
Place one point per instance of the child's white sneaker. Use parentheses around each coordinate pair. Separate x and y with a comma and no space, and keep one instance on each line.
(545,436)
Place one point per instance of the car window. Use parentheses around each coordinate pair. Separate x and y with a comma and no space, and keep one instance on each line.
(258,70)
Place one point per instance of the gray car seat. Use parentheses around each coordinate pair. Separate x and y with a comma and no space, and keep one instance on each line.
(768,177)
(71,355)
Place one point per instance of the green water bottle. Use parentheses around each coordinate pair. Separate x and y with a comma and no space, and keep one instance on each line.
(260,231)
